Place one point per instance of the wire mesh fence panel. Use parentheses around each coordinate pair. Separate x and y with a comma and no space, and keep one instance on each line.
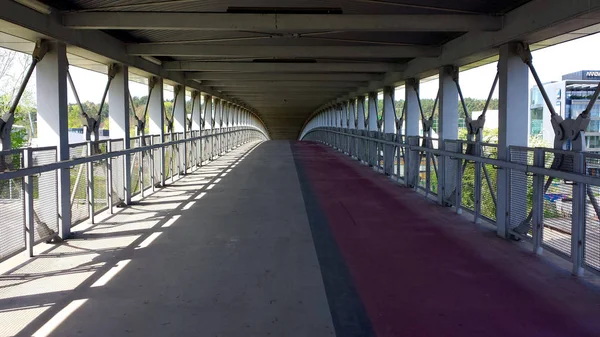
(45,195)
(450,182)
(520,193)
(168,158)
(489,186)
(79,185)
(156,159)
(12,202)
(147,164)
(422,171)
(190,148)
(592,215)
(468,185)
(182,147)
(136,160)
(100,180)
(117,172)
(558,202)
(379,149)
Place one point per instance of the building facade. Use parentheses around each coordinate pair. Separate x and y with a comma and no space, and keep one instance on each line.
(570,97)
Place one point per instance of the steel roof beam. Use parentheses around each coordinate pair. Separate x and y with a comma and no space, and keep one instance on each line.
(250,77)
(184,49)
(275,67)
(282,22)
(283,84)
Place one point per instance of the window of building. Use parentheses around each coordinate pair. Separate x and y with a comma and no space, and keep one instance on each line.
(594,126)
(537,121)
(536,97)
(592,142)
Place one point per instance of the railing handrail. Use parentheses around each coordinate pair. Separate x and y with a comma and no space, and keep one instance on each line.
(20,173)
(501,164)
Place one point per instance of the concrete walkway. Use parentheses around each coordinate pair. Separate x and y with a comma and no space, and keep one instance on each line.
(226,251)
(290,239)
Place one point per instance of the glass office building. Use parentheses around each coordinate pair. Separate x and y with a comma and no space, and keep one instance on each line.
(570,97)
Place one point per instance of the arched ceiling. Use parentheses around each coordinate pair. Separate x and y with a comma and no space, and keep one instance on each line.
(285,59)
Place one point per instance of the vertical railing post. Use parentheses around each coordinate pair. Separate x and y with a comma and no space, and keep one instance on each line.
(109,180)
(459,177)
(28,202)
(578,217)
(141,168)
(415,162)
(443,161)
(478,177)
(152,166)
(90,183)
(537,210)
(428,164)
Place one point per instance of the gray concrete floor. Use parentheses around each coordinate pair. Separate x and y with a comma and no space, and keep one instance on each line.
(238,260)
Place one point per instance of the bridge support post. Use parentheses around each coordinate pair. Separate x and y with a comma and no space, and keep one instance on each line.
(156,112)
(208,118)
(118,98)
(447,129)
(389,129)
(411,127)
(179,125)
(352,127)
(361,128)
(197,126)
(512,130)
(53,128)
(373,129)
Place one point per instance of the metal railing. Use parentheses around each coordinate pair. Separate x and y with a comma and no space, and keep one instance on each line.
(553,209)
(97,174)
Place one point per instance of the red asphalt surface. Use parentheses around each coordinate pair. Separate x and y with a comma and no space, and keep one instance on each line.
(422,270)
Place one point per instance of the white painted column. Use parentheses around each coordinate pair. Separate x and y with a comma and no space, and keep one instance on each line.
(412,108)
(207,114)
(389,112)
(412,161)
(372,113)
(180,110)
(447,129)
(119,122)
(156,113)
(373,129)
(52,126)
(352,126)
(361,143)
(208,126)
(197,113)
(389,128)
(513,105)
(179,125)
(360,112)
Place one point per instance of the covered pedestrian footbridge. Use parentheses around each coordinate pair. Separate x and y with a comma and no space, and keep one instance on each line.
(282,176)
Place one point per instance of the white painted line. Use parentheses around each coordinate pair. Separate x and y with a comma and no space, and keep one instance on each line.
(171,221)
(60,317)
(102,281)
(218,180)
(210,186)
(148,240)
(200,195)
(188,205)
